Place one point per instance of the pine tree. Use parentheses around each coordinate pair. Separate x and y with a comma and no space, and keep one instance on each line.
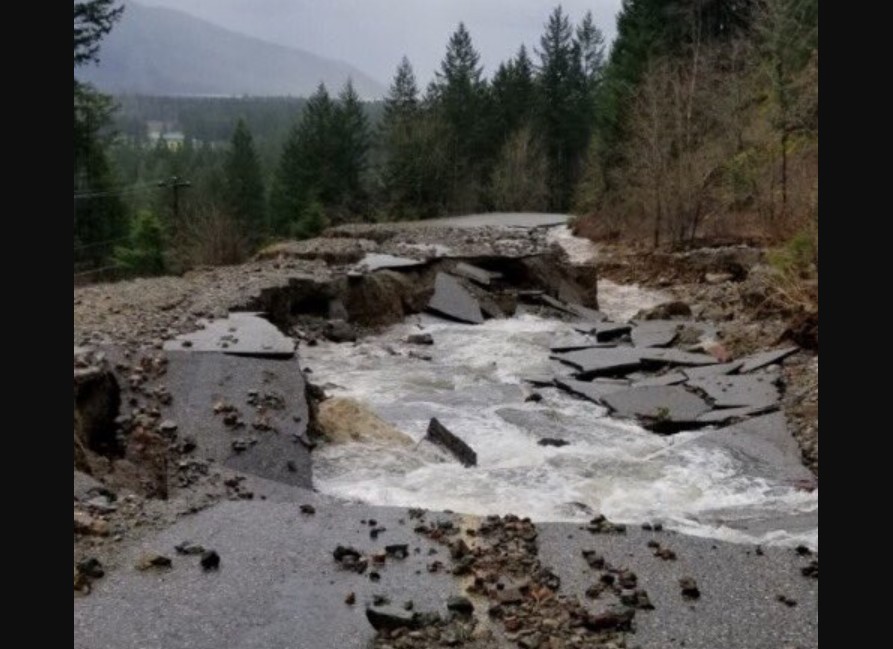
(352,142)
(458,99)
(290,194)
(145,253)
(244,184)
(592,49)
(99,214)
(403,96)
(399,135)
(562,106)
(512,95)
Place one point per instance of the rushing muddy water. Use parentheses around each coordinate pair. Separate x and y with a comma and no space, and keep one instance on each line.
(474,385)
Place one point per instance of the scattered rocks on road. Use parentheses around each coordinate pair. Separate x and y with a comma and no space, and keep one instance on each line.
(153,560)
(689,588)
(210,560)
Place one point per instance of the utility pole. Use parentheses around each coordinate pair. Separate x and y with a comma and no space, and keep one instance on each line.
(175,183)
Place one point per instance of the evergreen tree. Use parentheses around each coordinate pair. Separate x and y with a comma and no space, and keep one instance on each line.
(592,49)
(99,214)
(512,95)
(399,137)
(244,185)
(308,168)
(403,96)
(561,106)
(290,194)
(145,253)
(352,141)
(458,99)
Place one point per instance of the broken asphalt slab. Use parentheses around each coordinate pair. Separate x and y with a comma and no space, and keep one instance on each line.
(240,333)
(452,300)
(599,362)
(711,370)
(265,402)
(474,273)
(377,261)
(595,390)
(664,404)
(655,333)
(764,445)
(438,434)
(762,359)
(742,391)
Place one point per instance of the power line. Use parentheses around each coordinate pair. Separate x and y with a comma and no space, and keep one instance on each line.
(100,243)
(97,270)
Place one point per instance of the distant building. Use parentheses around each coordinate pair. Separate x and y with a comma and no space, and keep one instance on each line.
(172,139)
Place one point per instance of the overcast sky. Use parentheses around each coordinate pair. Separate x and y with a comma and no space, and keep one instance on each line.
(373,34)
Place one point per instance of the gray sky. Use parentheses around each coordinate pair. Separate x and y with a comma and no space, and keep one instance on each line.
(373,34)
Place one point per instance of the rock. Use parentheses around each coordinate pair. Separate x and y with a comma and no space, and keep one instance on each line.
(91,567)
(397,550)
(390,617)
(210,560)
(167,427)
(442,437)
(787,601)
(341,553)
(812,570)
(153,560)
(458,549)
(531,641)
(550,441)
(665,311)
(380,600)
(350,599)
(420,339)
(89,526)
(459,604)
(609,620)
(188,547)
(689,588)
(643,601)
(339,331)
(452,300)
(307,509)
(593,559)
(534,397)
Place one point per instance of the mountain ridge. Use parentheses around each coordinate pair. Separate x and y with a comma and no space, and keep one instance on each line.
(163,51)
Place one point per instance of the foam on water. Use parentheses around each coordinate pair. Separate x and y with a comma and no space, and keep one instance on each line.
(474,386)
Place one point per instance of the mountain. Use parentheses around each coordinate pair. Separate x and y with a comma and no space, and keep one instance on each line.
(159,51)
